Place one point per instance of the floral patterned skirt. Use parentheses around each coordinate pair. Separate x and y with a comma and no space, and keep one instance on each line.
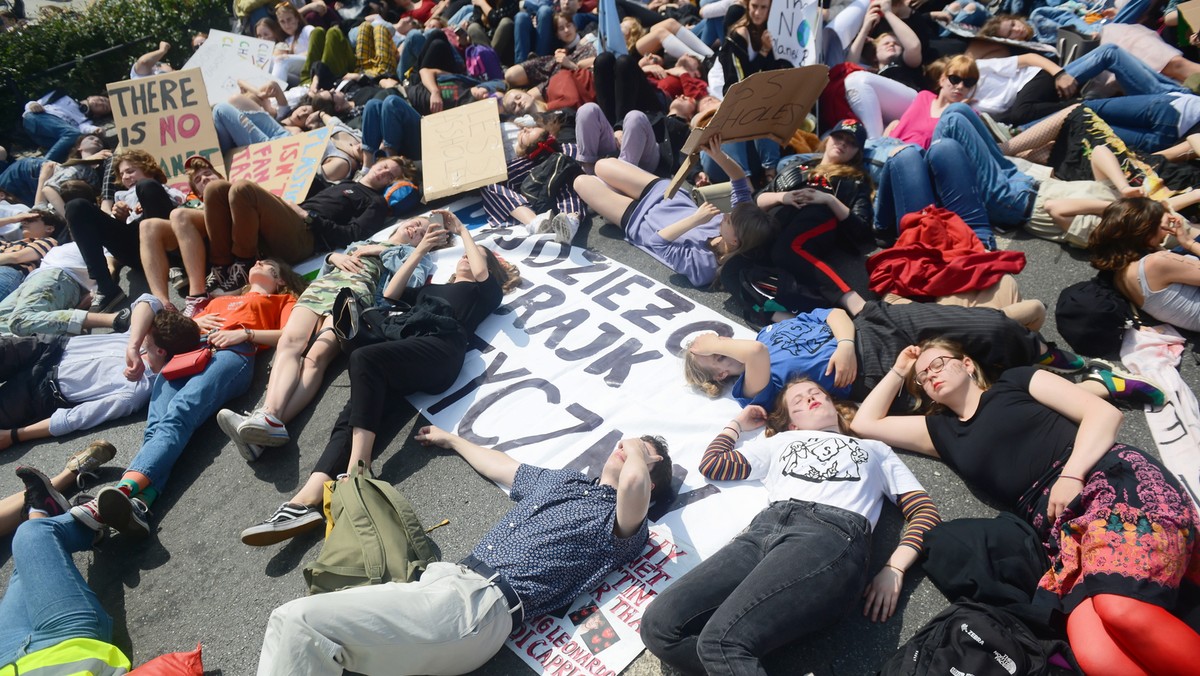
(1131,532)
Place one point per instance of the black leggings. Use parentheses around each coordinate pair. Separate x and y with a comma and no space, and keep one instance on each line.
(1037,99)
(381,373)
(95,230)
(621,86)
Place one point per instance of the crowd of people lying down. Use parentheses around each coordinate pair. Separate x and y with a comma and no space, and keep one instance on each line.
(863,251)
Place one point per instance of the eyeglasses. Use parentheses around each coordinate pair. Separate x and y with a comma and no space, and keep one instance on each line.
(934,368)
(967,82)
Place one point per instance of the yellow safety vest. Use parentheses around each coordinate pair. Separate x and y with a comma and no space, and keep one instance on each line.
(72,657)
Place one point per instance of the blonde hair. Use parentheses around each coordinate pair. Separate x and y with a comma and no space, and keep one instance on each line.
(924,403)
(636,32)
(962,65)
(779,420)
(699,377)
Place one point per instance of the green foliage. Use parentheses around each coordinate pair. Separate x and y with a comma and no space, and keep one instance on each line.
(60,37)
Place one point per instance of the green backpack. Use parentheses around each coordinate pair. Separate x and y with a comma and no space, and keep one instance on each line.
(376,537)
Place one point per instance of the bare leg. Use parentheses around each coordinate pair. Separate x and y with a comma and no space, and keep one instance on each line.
(625,178)
(362,443)
(1106,167)
(285,369)
(1179,68)
(313,490)
(312,372)
(190,234)
(604,200)
(156,239)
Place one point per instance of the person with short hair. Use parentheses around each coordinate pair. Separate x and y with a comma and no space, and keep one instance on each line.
(18,259)
(562,537)
(68,384)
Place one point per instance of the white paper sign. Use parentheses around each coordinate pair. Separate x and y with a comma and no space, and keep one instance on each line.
(794,27)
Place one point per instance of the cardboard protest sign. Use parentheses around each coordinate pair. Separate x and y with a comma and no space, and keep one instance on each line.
(770,104)
(252,50)
(285,167)
(462,149)
(599,633)
(795,26)
(1190,11)
(169,117)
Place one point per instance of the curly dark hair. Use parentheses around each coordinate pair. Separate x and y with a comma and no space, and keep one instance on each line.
(174,333)
(1126,233)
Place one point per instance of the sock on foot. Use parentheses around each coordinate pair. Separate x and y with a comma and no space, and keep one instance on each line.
(149,495)
(129,487)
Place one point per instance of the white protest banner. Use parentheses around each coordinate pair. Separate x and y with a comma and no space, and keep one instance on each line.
(795,27)
(584,354)
(461,149)
(252,50)
(169,117)
(599,633)
(222,70)
(285,167)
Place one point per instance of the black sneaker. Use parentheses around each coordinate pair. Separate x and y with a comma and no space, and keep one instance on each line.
(287,522)
(237,275)
(216,277)
(122,320)
(108,302)
(39,494)
(123,514)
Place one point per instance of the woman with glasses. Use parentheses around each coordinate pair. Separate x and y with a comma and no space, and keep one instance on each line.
(1117,528)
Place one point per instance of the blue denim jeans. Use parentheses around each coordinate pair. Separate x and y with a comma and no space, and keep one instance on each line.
(912,180)
(1147,123)
(1007,193)
(48,601)
(178,407)
(236,128)
(796,569)
(955,189)
(1134,76)
(766,151)
(541,37)
(10,279)
(392,121)
(54,134)
(20,178)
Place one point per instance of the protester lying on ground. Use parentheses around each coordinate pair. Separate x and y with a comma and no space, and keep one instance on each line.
(48,302)
(19,258)
(562,537)
(681,235)
(238,328)
(366,268)
(86,162)
(118,231)
(507,203)
(56,120)
(64,385)
(1128,243)
(45,494)
(851,356)
(802,563)
(1046,451)
(427,361)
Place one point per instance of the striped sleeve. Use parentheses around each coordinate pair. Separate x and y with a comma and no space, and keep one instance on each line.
(722,463)
(920,515)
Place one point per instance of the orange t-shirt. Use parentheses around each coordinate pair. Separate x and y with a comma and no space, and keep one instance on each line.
(251,311)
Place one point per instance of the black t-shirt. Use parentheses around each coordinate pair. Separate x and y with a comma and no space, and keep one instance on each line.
(914,78)
(472,301)
(455,92)
(1011,445)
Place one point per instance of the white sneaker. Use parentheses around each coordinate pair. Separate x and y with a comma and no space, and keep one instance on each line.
(563,226)
(263,429)
(229,423)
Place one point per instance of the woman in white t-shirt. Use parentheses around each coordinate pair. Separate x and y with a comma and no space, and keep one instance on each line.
(802,562)
(292,52)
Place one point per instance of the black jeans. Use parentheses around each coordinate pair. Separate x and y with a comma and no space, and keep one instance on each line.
(382,373)
(798,568)
(27,367)
(95,230)
(621,86)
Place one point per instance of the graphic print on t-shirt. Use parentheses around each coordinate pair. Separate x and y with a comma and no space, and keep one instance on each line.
(800,339)
(824,459)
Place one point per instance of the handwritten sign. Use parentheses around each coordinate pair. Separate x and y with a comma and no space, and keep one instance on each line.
(168,116)
(462,149)
(793,25)
(223,69)
(253,51)
(770,104)
(285,167)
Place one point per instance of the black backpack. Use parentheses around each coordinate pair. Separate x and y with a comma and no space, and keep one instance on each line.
(1092,316)
(544,182)
(972,638)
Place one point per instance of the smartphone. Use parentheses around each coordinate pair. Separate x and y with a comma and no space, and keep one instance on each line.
(436,219)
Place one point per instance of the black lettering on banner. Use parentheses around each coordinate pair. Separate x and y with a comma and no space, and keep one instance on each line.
(621,289)
(617,362)
(677,306)
(603,341)
(533,260)
(562,325)
(490,375)
(568,275)
(588,420)
(675,340)
(602,281)
(540,297)
(592,459)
